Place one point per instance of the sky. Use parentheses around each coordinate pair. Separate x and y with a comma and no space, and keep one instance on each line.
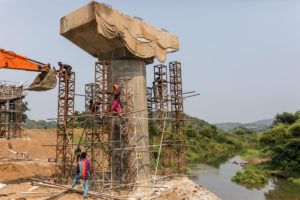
(242,56)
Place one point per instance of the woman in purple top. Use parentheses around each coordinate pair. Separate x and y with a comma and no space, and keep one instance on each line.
(116,106)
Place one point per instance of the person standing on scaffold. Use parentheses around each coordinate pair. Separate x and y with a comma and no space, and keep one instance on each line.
(116,105)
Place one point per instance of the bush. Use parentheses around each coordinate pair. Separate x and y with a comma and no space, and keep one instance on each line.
(294,180)
(251,178)
(283,143)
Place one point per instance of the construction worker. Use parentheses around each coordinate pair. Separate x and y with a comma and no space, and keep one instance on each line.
(83,172)
(64,67)
(116,106)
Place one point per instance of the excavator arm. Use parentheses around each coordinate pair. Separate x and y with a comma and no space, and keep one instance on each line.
(46,80)
(11,60)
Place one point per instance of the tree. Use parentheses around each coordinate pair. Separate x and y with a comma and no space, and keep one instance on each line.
(283,140)
(284,118)
(24,109)
(297,115)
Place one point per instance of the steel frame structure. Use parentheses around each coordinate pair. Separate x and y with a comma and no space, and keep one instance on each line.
(113,156)
(176,100)
(161,101)
(97,127)
(173,156)
(65,126)
(110,141)
(11,111)
(160,88)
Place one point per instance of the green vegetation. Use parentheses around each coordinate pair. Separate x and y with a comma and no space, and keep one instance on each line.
(251,177)
(79,119)
(294,180)
(281,144)
(205,142)
(250,154)
(283,190)
(41,124)
(283,141)
(24,108)
(208,144)
(260,125)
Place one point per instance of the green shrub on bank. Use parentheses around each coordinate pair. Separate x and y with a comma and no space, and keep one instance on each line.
(251,178)
(283,140)
(294,180)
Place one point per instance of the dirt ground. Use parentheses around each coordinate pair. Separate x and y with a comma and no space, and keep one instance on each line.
(180,188)
(33,142)
(39,144)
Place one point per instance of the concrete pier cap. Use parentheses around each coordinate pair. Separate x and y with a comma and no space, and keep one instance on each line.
(130,44)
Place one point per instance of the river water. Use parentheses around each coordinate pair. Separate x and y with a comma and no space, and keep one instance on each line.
(218,180)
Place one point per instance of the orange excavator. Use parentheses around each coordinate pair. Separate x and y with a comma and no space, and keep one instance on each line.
(46,80)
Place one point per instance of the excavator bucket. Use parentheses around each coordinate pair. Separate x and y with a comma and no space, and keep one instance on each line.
(44,81)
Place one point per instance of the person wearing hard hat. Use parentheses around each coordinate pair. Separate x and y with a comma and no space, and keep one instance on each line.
(116,106)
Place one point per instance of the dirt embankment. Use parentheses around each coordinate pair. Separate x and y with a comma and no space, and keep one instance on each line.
(10,171)
(34,142)
(38,145)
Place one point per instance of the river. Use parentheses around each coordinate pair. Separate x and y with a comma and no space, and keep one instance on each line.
(218,180)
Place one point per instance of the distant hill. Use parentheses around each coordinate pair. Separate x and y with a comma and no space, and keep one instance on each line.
(254,126)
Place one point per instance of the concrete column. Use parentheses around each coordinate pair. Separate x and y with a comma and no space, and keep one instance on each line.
(136,70)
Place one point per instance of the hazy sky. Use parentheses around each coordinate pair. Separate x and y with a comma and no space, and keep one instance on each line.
(241,55)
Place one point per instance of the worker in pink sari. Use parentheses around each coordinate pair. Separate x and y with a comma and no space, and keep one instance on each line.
(116,106)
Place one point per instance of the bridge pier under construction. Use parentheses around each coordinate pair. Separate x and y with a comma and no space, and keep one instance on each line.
(122,156)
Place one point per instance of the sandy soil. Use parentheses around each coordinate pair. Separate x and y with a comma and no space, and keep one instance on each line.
(10,171)
(33,142)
